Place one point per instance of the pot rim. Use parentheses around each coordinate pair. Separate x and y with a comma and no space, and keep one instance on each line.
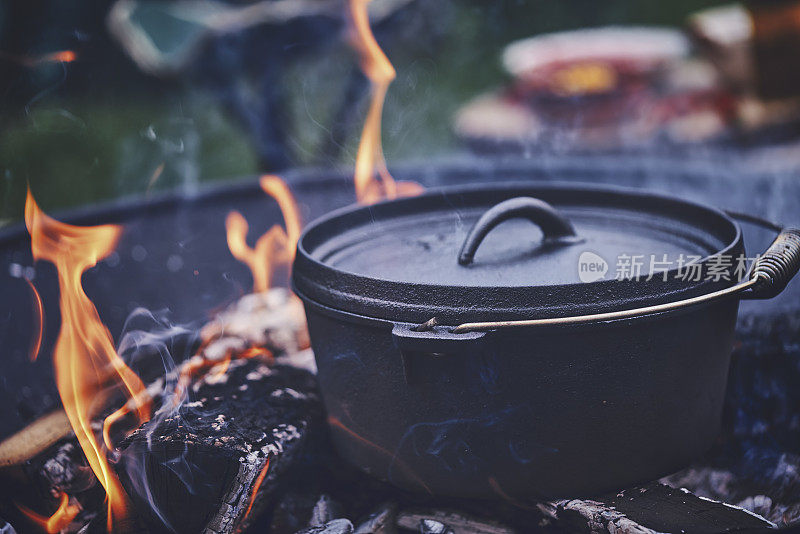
(453,304)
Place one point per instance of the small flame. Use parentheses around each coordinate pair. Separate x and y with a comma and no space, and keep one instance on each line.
(38,317)
(58,521)
(370,160)
(61,56)
(277,246)
(154,177)
(84,351)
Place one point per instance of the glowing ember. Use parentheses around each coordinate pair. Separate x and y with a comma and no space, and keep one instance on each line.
(38,317)
(277,246)
(84,351)
(260,480)
(200,365)
(58,521)
(370,161)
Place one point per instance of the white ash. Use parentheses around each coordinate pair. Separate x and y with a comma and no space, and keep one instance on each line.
(259,373)
(219,423)
(274,319)
(220,348)
(303,359)
(278,393)
(214,378)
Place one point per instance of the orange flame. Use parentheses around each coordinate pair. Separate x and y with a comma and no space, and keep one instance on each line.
(84,350)
(58,521)
(277,246)
(38,315)
(61,56)
(370,160)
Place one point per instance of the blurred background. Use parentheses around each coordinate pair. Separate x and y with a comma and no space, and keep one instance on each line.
(103,99)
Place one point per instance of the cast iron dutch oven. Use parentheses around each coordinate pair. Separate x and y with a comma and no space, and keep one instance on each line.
(528,359)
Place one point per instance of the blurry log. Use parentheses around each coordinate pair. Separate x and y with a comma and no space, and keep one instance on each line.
(34,439)
(650,509)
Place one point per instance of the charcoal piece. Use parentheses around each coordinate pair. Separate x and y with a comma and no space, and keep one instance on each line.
(381,521)
(430,526)
(324,511)
(453,522)
(65,469)
(213,465)
(652,508)
(6,528)
(337,526)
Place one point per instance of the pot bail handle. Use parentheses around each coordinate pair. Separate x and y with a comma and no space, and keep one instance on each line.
(777,266)
(555,227)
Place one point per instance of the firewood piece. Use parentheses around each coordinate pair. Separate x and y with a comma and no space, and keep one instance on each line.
(34,439)
(650,509)
(213,465)
(455,522)
(337,526)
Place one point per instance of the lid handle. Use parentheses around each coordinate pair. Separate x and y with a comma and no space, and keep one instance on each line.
(556,228)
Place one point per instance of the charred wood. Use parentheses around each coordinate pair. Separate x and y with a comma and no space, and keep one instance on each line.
(650,509)
(212,465)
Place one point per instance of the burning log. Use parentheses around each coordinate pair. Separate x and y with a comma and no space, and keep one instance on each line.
(238,428)
(212,463)
(222,454)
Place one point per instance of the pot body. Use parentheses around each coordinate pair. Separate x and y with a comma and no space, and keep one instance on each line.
(526,413)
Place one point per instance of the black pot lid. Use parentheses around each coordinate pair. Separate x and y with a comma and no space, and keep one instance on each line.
(548,250)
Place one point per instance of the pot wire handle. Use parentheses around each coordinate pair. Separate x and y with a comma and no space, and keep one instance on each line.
(777,266)
(768,276)
(555,227)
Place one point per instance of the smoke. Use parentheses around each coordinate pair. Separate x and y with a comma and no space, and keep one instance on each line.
(155,347)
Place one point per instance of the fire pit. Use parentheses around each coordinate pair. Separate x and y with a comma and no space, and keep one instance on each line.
(178,245)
